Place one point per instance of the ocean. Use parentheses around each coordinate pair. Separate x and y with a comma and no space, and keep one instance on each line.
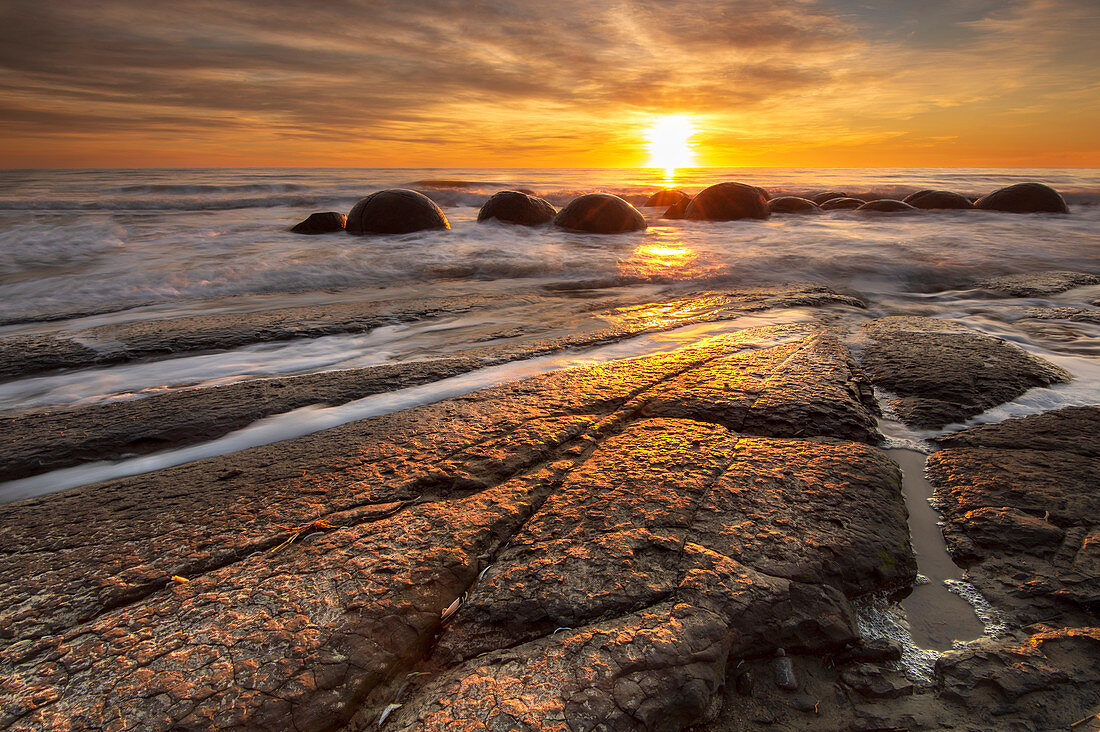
(93,241)
(85,248)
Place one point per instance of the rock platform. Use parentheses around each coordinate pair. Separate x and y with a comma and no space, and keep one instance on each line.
(676,541)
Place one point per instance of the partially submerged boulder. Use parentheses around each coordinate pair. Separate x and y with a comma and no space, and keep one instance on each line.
(600,213)
(1024,198)
(667,197)
(886,205)
(820,198)
(929,199)
(395,211)
(728,202)
(676,210)
(514,207)
(839,204)
(792,204)
(321,223)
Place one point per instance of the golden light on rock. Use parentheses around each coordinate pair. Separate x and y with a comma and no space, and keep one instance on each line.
(669,143)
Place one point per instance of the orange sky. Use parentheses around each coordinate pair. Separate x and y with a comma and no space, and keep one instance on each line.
(450,83)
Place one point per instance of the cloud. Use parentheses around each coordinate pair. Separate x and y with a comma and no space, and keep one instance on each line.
(495,75)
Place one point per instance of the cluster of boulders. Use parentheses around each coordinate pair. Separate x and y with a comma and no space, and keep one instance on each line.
(402,211)
(743,201)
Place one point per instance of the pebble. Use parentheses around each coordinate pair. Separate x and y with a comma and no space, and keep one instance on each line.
(784,671)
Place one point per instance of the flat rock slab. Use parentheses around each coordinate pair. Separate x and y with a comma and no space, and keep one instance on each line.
(39,440)
(1076,314)
(940,373)
(297,585)
(74,347)
(1039,283)
(1021,506)
(1050,676)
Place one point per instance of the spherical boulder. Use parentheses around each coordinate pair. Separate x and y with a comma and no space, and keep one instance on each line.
(599,213)
(820,198)
(1024,198)
(667,197)
(395,211)
(320,223)
(727,202)
(676,210)
(514,207)
(837,204)
(792,204)
(929,199)
(886,205)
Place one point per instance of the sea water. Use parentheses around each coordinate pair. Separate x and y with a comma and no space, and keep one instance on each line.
(182,241)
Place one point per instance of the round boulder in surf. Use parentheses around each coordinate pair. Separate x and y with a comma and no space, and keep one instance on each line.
(514,207)
(841,204)
(395,211)
(931,200)
(886,205)
(727,202)
(321,223)
(1024,198)
(792,205)
(667,197)
(600,213)
(820,198)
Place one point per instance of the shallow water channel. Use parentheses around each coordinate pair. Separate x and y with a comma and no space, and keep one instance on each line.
(937,617)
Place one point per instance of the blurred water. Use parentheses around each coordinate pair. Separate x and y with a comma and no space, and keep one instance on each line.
(93,241)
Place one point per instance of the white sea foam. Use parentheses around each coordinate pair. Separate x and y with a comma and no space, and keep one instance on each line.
(307,420)
(94,240)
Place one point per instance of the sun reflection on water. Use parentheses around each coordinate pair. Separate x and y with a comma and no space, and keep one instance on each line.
(663,259)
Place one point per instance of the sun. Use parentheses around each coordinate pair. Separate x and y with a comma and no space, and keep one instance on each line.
(670,142)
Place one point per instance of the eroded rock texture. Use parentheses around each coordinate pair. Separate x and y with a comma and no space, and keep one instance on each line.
(1021,506)
(1039,283)
(614,552)
(940,373)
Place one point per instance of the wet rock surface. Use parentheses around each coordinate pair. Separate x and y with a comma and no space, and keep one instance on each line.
(1024,198)
(1020,503)
(1080,315)
(584,511)
(395,211)
(514,207)
(1039,283)
(667,197)
(39,441)
(728,202)
(1045,680)
(934,200)
(676,210)
(840,204)
(939,373)
(791,204)
(326,222)
(600,213)
(141,339)
(886,205)
(676,541)
(47,439)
